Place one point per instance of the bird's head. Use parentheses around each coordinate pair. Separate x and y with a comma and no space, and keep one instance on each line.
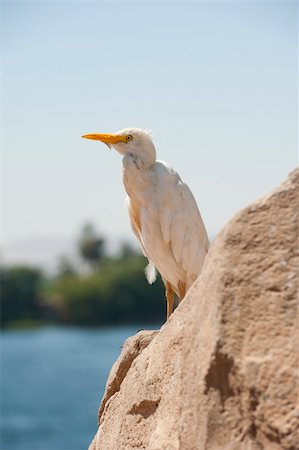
(130,141)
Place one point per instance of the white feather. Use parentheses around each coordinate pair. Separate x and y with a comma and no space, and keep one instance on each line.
(171,231)
(150,273)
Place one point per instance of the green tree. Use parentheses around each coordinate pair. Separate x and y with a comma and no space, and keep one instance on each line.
(66,267)
(91,246)
(20,294)
(127,251)
(117,294)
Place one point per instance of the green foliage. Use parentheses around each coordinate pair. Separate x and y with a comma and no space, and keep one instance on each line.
(118,293)
(91,246)
(65,267)
(126,251)
(20,294)
(115,292)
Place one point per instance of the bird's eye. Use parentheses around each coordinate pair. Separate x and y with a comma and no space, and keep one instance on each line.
(129,137)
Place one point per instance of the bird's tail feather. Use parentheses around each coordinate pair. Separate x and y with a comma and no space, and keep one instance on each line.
(150,273)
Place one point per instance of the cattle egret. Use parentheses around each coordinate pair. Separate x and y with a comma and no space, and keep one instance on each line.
(163,213)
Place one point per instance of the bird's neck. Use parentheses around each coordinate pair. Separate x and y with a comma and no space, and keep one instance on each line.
(135,176)
(143,157)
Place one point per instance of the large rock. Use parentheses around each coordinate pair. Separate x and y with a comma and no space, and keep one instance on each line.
(222,373)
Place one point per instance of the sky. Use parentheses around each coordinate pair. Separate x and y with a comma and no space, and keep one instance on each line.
(216,82)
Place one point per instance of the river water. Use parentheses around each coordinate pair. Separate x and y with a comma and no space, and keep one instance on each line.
(52,381)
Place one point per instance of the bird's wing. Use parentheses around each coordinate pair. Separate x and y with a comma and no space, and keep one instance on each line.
(134,214)
(175,209)
(134,218)
(186,230)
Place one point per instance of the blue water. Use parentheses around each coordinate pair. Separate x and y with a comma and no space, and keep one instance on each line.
(52,381)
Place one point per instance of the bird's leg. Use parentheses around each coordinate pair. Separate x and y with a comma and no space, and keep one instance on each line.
(169,298)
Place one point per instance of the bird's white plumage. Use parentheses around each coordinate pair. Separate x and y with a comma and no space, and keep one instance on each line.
(163,212)
(172,232)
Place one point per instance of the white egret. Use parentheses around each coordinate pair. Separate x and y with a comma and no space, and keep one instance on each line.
(163,212)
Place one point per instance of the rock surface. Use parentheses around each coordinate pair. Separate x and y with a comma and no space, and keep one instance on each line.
(222,373)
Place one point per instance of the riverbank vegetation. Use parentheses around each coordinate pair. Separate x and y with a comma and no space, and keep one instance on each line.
(109,290)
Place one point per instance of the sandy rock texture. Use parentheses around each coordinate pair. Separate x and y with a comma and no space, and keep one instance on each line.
(222,373)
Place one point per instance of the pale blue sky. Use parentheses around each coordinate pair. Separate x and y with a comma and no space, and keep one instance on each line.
(216,83)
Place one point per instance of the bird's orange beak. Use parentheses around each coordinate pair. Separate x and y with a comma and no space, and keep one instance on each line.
(106,138)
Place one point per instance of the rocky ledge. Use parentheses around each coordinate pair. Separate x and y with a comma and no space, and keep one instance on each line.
(222,373)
